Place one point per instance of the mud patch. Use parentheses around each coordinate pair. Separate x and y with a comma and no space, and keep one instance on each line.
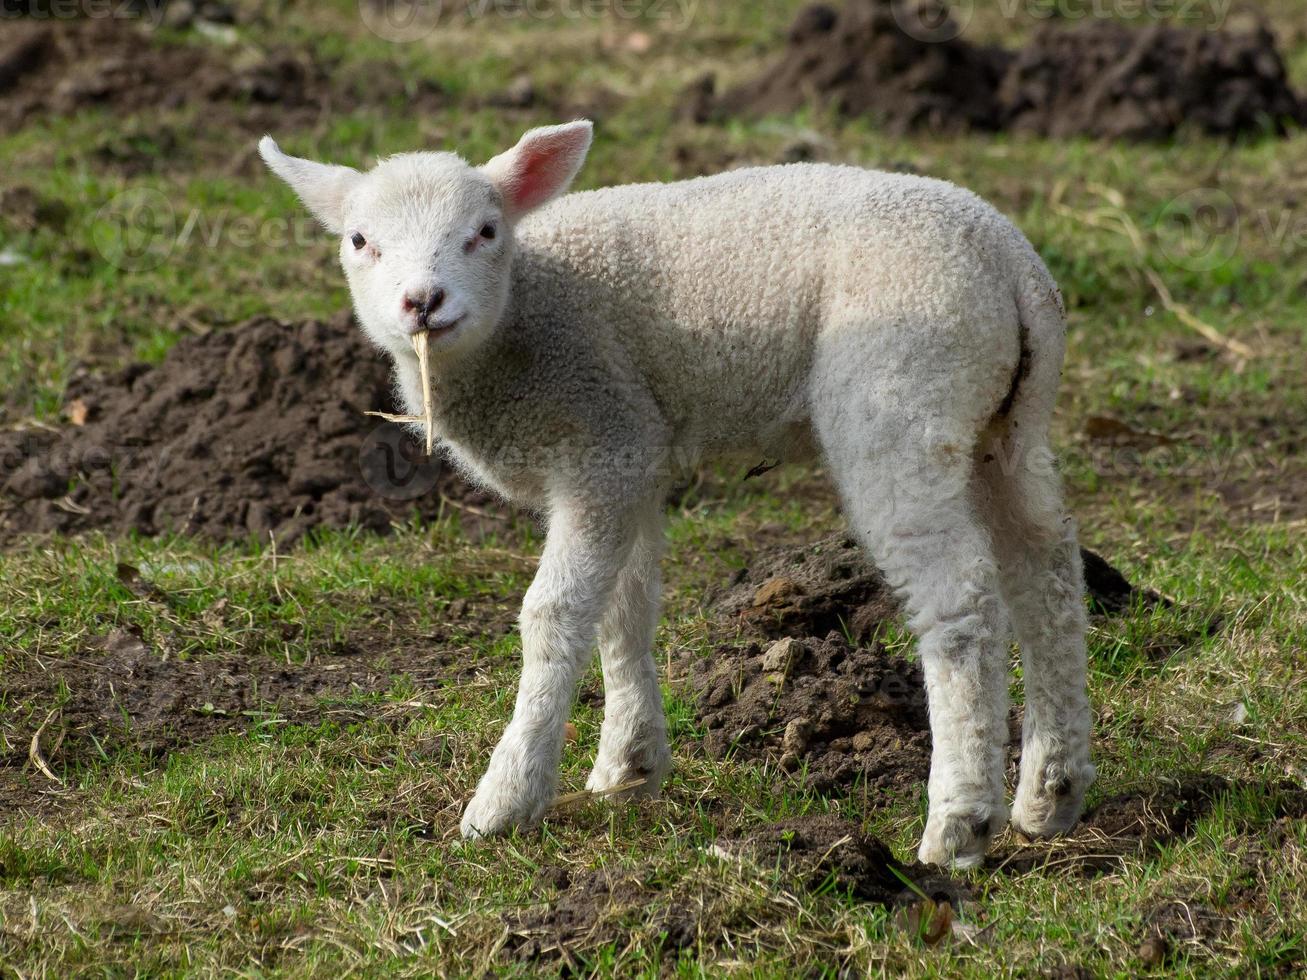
(1102,79)
(833,714)
(248,432)
(123,693)
(824,852)
(59,69)
(816,854)
(597,907)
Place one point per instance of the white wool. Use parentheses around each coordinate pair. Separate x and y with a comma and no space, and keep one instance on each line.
(587,351)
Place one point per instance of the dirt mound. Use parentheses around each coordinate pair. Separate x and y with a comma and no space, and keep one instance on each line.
(905,65)
(1109,80)
(243,432)
(837,714)
(60,68)
(860,61)
(840,715)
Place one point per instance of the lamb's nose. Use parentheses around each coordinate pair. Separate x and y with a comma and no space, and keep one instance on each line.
(423,303)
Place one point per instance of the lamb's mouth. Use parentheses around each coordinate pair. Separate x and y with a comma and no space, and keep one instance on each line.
(440,328)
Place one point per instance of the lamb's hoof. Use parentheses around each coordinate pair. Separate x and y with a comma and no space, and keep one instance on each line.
(959,839)
(1050,804)
(627,779)
(492,812)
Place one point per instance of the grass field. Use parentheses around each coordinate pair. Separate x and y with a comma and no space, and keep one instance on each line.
(323,839)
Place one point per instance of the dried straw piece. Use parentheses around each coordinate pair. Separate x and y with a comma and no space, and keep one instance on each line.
(34,750)
(427,418)
(420,348)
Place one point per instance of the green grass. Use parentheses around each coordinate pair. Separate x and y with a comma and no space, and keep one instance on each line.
(328,844)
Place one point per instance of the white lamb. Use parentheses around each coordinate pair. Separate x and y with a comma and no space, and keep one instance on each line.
(898,326)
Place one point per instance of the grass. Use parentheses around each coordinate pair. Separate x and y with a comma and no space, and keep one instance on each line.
(326,842)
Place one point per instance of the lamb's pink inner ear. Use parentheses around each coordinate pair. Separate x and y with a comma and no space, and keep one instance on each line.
(541,166)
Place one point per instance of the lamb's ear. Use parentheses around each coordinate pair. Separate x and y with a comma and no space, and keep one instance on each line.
(541,166)
(321,186)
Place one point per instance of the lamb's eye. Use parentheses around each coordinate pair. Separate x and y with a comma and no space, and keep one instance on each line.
(357,240)
(488,232)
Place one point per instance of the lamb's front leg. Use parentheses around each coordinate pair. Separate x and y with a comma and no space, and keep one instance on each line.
(633,741)
(584,552)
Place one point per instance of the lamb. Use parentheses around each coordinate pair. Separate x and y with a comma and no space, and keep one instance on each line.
(585,345)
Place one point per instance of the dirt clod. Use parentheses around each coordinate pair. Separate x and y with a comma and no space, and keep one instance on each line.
(250,431)
(847,715)
(906,65)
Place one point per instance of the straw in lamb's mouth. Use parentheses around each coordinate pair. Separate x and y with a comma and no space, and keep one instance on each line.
(427,417)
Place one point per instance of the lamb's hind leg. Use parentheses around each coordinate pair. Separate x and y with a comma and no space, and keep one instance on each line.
(633,741)
(906,496)
(1044,587)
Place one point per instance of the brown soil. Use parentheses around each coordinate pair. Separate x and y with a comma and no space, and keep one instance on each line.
(813,853)
(826,852)
(251,431)
(61,67)
(119,694)
(1101,79)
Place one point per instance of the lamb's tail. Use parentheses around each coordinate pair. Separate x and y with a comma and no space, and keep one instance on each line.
(1041,332)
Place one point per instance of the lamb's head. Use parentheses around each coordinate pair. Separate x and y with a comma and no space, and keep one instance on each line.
(426,238)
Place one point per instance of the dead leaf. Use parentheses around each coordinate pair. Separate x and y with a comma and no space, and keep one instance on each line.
(131,578)
(570,734)
(1104,428)
(928,921)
